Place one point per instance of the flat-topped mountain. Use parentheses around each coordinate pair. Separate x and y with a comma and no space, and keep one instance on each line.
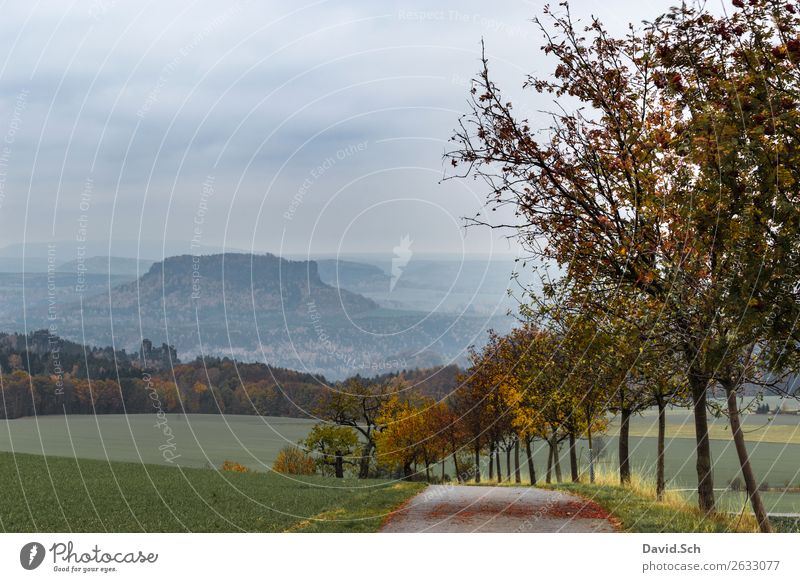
(253,308)
(236,281)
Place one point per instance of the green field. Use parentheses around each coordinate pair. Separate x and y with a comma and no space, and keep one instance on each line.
(208,440)
(776,463)
(774,447)
(198,440)
(58,494)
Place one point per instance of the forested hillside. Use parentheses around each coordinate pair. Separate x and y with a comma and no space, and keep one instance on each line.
(43,374)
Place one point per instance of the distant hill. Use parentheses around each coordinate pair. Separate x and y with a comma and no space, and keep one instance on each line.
(100,265)
(253,308)
(452,285)
(353,276)
(255,282)
(33,294)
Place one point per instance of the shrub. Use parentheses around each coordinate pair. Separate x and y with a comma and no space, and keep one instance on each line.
(294,461)
(234,467)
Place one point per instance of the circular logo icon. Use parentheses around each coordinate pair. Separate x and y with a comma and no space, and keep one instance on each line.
(31,555)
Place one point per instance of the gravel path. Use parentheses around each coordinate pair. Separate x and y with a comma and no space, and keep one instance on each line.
(450,509)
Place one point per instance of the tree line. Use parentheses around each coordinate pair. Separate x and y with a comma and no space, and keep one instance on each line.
(659,199)
(659,202)
(554,385)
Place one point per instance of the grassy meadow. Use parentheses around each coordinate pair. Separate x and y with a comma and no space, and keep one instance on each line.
(68,495)
(196,440)
(203,441)
(774,447)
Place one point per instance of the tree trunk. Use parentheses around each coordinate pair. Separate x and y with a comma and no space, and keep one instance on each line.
(591,454)
(624,447)
(477,462)
(338,466)
(557,459)
(705,476)
(458,471)
(491,462)
(549,474)
(573,457)
(744,460)
(529,455)
(517,475)
(427,472)
(508,463)
(366,453)
(662,429)
(407,471)
(499,467)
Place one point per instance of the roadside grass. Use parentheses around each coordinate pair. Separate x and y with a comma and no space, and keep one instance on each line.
(785,524)
(637,510)
(57,494)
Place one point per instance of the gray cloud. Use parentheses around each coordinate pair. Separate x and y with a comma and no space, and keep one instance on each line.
(148,101)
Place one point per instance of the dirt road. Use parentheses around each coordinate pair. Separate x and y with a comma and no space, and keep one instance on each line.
(450,508)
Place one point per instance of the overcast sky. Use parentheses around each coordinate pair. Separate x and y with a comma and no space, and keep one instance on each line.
(288,127)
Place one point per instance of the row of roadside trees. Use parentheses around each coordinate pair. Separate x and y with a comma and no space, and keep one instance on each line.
(660,202)
(535,385)
(662,193)
(556,380)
